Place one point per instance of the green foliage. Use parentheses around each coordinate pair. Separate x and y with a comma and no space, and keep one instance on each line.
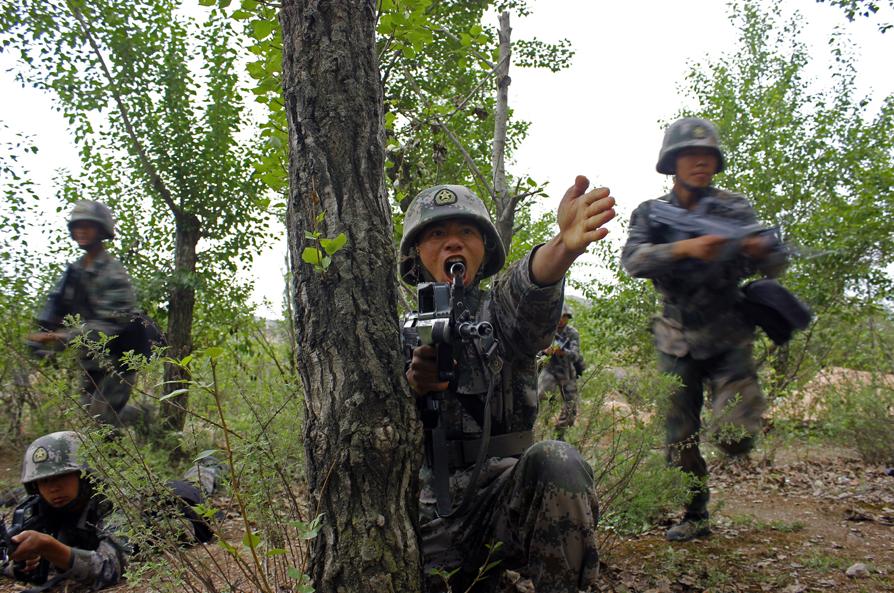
(860,414)
(862,8)
(154,102)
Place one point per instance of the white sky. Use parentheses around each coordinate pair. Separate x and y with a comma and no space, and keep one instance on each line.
(598,118)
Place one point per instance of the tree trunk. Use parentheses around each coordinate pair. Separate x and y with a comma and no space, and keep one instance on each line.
(504,204)
(181,303)
(362,438)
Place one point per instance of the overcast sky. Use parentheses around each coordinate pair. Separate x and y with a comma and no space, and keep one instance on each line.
(599,118)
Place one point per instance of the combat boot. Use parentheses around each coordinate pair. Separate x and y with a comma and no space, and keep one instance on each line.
(689,528)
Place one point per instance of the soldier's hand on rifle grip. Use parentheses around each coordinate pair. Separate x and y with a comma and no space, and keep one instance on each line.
(34,543)
(705,248)
(422,374)
(756,246)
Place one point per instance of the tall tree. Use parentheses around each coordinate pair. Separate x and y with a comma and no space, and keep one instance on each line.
(362,441)
(817,162)
(156,107)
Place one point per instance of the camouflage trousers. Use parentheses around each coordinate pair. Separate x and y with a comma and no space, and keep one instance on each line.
(542,511)
(104,393)
(547,382)
(736,403)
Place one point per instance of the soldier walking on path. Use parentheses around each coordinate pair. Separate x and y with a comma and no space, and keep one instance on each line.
(536,500)
(563,364)
(96,288)
(702,334)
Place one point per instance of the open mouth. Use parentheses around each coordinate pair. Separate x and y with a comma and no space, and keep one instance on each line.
(451,261)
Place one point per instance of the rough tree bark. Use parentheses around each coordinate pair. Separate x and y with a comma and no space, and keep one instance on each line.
(362,440)
(504,204)
(181,305)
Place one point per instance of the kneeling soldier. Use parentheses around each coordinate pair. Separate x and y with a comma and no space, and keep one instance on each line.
(535,499)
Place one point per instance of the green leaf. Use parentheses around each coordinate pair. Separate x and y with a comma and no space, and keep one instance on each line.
(320,217)
(226,546)
(331,246)
(206,454)
(311,235)
(261,29)
(214,351)
(274,552)
(206,2)
(184,362)
(174,393)
(251,540)
(311,255)
(294,573)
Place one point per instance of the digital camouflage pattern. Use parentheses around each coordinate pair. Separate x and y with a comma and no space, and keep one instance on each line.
(541,507)
(88,210)
(51,455)
(737,405)
(688,132)
(443,202)
(102,295)
(702,315)
(702,334)
(560,372)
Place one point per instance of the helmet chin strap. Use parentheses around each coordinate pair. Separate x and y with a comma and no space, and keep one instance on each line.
(697,192)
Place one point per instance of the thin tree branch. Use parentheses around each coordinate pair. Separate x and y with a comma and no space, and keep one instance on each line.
(149,168)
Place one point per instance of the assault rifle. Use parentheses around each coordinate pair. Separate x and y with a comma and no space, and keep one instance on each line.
(444,322)
(25,517)
(685,224)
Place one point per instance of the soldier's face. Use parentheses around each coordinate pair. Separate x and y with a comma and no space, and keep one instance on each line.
(85,233)
(58,491)
(563,321)
(696,166)
(443,243)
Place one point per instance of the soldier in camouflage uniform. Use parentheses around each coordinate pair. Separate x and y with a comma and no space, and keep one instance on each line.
(560,370)
(536,500)
(97,288)
(75,535)
(702,334)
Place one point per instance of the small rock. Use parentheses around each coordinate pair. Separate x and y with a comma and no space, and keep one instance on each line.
(857,571)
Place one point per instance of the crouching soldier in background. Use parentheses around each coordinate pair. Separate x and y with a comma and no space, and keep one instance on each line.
(96,288)
(561,368)
(702,334)
(67,527)
(484,480)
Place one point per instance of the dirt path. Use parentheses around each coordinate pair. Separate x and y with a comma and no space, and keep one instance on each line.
(794,526)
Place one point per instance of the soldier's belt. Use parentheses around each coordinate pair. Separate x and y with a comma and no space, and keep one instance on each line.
(464,453)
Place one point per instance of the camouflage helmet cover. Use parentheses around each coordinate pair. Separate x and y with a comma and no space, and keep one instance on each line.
(684,133)
(94,212)
(51,455)
(566,310)
(444,202)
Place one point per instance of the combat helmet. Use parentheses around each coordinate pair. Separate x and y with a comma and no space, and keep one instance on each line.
(443,202)
(687,133)
(51,455)
(94,212)
(566,310)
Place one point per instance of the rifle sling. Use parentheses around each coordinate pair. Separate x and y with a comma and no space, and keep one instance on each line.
(461,454)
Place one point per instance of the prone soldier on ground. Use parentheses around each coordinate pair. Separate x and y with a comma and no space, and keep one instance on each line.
(703,333)
(478,410)
(563,363)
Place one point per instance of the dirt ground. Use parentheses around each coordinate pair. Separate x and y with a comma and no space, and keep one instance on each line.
(793,526)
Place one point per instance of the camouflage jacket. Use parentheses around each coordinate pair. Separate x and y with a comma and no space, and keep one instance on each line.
(100,293)
(564,367)
(701,315)
(99,555)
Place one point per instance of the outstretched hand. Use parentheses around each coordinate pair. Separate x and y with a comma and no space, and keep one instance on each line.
(583,213)
(581,216)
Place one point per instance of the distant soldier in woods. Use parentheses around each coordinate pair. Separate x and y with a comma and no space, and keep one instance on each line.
(96,288)
(702,334)
(536,500)
(562,365)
